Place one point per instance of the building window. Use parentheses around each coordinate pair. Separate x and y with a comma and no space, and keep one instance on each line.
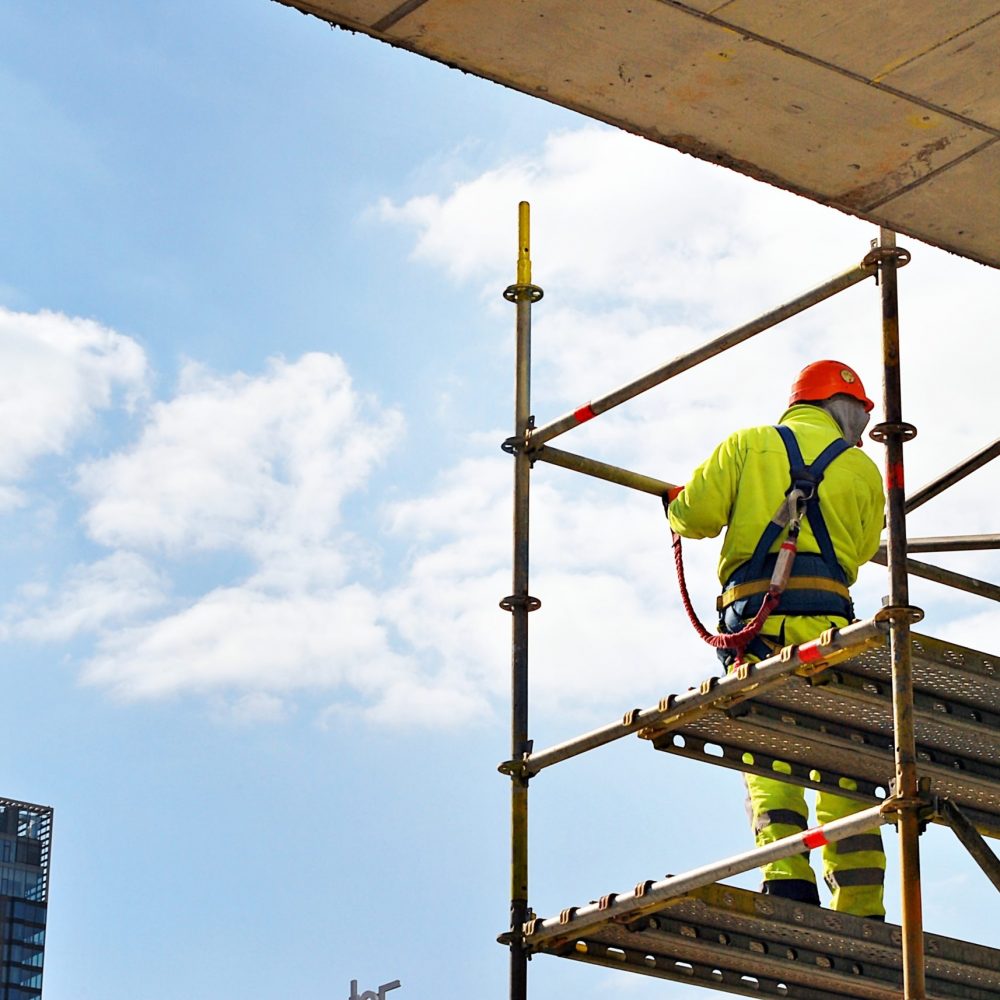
(30,912)
(29,824)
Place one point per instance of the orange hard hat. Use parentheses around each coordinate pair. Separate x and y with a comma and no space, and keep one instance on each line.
(823,379)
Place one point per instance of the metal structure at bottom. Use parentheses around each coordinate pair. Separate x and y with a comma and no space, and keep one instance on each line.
(914,713)
(749,944)
(837,725)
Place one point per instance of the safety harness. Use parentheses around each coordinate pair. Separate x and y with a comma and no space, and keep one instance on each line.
(764,583)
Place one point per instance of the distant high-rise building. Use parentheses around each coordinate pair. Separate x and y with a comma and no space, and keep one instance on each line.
(25,839)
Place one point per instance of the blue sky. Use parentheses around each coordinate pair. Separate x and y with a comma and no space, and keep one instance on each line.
(255,369)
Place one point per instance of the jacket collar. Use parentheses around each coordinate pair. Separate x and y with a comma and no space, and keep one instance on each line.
(804,415)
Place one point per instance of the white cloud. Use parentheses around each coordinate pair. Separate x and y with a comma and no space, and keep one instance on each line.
(413,700)
(239,639)
(618,218)
(644,254)
(252,463)
(11,497)
(56,372)
(92,597)
(259,465)
(975,629)
(609,629)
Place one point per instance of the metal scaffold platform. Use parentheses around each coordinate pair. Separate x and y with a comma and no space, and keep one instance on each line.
(689,928)
(741,942)
(906,724)
(837,724)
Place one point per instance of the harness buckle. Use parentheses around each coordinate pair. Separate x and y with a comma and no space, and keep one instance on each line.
(804,483)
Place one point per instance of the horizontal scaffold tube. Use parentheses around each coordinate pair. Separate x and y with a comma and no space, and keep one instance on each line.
(952,476)
(950,543)
(646,896)
(834,645)
(685,361)
(601,470)
(946,576)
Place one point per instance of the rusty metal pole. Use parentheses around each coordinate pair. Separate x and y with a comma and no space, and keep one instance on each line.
(601,470)
(684,362)
(906,802)
(523,294)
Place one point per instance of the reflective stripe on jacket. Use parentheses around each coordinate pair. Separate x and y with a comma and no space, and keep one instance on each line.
(744,480)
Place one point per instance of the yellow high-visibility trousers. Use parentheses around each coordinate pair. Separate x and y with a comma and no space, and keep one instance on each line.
(853,868)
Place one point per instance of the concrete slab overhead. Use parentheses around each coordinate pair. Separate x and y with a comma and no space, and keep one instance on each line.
(889,112)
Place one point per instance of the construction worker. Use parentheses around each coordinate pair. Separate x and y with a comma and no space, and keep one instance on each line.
(740,487)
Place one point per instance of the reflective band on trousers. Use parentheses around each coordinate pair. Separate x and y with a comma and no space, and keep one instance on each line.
(848,877)
(788,817)
(862,842)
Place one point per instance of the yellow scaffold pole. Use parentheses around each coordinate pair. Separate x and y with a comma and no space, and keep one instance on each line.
(523,294)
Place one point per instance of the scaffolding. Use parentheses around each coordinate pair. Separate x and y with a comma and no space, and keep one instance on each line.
(912,723)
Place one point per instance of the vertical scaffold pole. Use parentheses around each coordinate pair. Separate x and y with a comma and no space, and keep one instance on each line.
(894,433)
(523,294)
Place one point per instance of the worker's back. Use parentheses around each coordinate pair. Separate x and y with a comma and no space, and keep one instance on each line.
(745,479)
(743,485)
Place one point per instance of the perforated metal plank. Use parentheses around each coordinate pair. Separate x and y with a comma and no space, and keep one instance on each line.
(838,725)
(745,943)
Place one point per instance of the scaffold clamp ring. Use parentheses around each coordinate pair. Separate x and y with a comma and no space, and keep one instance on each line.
(522,293)
(878,254)
(514,601)
(880,432)
(911,613)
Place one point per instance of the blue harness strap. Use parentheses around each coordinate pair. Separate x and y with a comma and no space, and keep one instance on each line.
(760,565)
(806,478)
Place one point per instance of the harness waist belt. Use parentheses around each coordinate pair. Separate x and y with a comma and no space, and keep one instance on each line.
(753,587)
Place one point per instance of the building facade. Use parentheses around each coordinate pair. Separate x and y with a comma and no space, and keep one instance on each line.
(25,843)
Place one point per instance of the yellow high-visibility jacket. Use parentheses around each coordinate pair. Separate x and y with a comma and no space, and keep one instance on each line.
(744,481)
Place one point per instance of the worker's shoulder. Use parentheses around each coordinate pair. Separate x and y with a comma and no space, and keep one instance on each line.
(763,437)
(766,439)
(858,463)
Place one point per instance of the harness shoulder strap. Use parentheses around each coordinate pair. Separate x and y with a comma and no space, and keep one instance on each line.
(827,455)
(811,476)
(795,460)
(806,478)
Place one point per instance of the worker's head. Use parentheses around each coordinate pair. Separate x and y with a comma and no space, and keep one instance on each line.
(837,388)
(825,379)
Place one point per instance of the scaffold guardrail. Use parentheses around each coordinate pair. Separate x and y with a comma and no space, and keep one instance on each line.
(749,944)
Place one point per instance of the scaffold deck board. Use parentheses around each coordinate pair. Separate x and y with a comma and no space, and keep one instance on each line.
(753,945)
(837,725)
